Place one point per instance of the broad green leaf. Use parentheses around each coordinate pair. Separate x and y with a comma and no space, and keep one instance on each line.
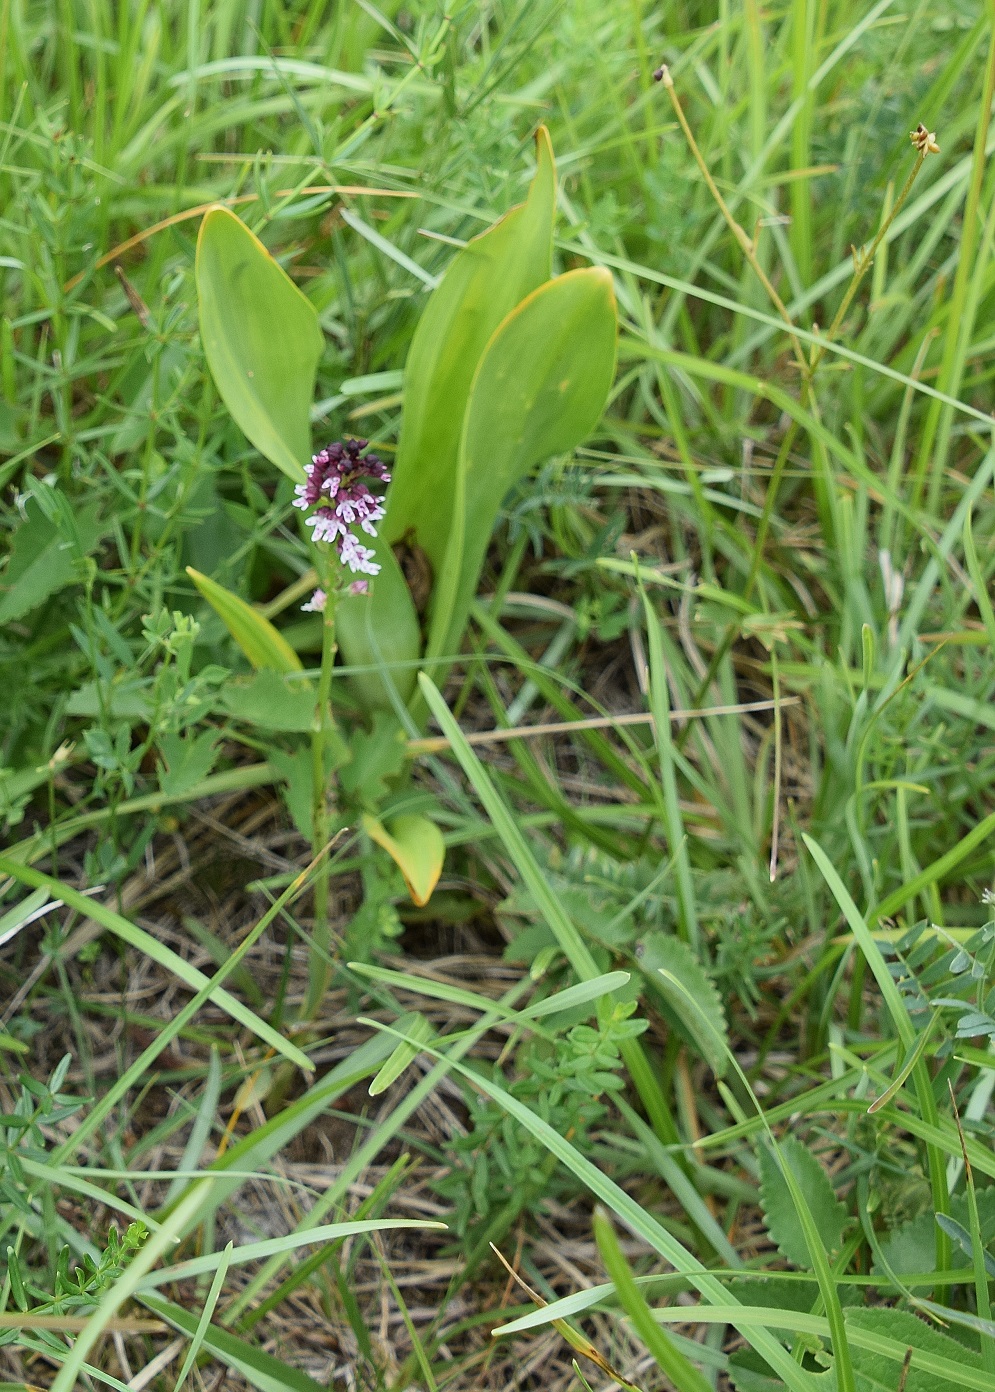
(42,562)
(380,629)
(876,1372)
(783,1223)
(262,644)
(483,283)
(539,389)
(911,1247)
(272,700)
(664,957)
(415,845)
(261,338)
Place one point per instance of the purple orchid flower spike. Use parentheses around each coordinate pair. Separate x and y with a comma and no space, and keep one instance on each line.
(337,490)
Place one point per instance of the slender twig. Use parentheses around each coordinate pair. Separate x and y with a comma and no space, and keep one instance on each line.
(433,744)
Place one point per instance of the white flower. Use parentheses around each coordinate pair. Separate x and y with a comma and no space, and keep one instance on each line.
(356,556)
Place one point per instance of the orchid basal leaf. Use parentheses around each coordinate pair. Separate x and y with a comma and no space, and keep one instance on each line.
(261,338)
(539,390)
(482,284)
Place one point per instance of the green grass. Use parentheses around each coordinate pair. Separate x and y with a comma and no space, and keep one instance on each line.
(761,515)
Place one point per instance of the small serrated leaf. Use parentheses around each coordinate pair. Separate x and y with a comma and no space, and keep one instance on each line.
(877,1372)
(783,1223)
(271,700)
(676,977)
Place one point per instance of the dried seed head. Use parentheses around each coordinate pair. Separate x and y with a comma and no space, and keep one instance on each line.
(924,140)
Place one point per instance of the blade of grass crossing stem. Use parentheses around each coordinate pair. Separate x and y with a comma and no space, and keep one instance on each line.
(259,1368)
(584,993)
(957,334)
(210,1304)
(796,1322)
(203,1121)
(682,1373)
(371,1206)
(567,936)
(420,1354)
(630,1212)
(933,873)
(673,822)
(274,1246)
(904,1029)
(981,1294)
(978,580)
(135,937)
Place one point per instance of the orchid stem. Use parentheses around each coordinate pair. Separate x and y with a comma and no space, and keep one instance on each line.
(319,967)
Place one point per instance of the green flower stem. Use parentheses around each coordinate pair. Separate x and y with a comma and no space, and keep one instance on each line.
(319,967)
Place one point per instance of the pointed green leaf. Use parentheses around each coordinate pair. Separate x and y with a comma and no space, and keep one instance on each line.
(261,338)
(415,845)
(483,283)
(262,644)
(379,630)
(419,1031)
(539,390)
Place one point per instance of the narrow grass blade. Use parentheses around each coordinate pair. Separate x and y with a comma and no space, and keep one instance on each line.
(567,936)
(206,1314)
(681,1372)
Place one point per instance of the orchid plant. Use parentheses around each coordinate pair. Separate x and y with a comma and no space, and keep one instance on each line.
(508,366)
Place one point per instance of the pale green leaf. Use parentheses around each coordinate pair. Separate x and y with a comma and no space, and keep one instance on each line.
(261,643)
(539,390)
(483,283)
(416,846)
(261,338)
(419,1031)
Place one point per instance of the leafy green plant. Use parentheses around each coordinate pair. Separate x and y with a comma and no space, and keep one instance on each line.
(498,1171)
(507,367)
